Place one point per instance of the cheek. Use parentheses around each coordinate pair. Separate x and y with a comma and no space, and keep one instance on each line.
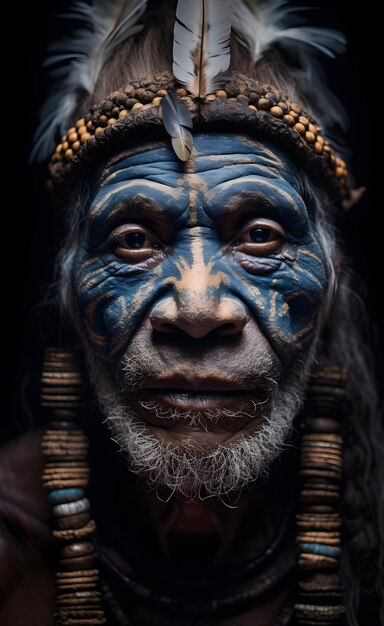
(286,301)
(111,301)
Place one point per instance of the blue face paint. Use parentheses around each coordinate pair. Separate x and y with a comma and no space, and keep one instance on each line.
(197,226)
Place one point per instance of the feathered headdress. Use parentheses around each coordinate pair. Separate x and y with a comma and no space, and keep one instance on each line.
(202,76)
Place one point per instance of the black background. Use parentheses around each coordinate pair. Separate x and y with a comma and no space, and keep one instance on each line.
(31,231)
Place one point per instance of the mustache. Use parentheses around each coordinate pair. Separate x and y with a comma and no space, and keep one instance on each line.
(140,371)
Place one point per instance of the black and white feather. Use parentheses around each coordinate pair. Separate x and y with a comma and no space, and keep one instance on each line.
(201,54)
(260,24)
(75,62)
(178,122)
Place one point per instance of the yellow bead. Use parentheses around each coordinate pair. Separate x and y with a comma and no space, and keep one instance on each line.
(303,120)
(72,137)
(82,130)
(252,106)
(68,154)
(111,121)
(71,130)
(211,97)
(181,92)
(99,130)
(85,137)
(76,146)
(136,106)
(80,123)
(65,145)
(289,119)
(221,93)
(162,92)
(59,148)
(300,128)
(320,139)
(156,100)
(310,137)
(90,124)
(277,111)
(340,171)
(123,114)
(318,147)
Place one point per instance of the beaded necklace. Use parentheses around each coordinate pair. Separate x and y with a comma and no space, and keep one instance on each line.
(82,596)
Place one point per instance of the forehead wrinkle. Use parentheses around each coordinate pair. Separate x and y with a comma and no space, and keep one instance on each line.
(262,182)
(174,193)
(135,150)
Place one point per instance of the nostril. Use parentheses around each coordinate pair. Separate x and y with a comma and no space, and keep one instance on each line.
(225,329)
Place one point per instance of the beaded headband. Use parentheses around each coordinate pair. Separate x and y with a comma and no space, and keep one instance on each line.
(242,103)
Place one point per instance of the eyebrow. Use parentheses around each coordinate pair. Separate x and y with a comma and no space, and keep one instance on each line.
(138,205)
(259,201)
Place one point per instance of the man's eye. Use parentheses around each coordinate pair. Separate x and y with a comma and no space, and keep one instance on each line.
(133,243)
(260,237)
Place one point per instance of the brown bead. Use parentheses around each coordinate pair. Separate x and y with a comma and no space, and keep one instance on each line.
(303,120)
(318,147)
(221,93)
(65,145)
(312,128)
(211,97)
(162,92)
(78,549)
(310,137)
(294,114)
(90,125)
(277,111)
(300,128)
(136,106)
(181,92)
(323,425)
(69,153)
(242,99)
(129,90)
(296,108)
(111,121)
(289,119)
(320,139)
(59,148)
(78,562)
(99,130)
(76,146)
(73,521)
(71,130)
(85,137)
(80,123)
(115,111)
(82,130)
(340,171)
(263,104)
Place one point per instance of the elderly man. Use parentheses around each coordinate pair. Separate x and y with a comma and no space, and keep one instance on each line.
(203,276)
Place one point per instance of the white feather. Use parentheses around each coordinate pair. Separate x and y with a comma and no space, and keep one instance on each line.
(260,24)
(75,63)
(201,53)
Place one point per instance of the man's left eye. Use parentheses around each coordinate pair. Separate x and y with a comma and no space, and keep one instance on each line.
(260,236)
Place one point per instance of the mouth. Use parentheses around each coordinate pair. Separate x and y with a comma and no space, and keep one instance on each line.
(217,404)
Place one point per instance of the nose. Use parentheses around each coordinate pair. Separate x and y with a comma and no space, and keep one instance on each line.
(199,319)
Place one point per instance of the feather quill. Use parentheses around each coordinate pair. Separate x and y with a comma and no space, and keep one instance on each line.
(177,121)
(259,25)
(75,63)
(201,54)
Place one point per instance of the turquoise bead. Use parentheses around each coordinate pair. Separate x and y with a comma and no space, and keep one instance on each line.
(320,548)
(59,496)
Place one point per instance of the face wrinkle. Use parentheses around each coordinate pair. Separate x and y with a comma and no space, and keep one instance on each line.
(241,458)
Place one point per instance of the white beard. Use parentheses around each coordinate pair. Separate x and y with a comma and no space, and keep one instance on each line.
(189,470)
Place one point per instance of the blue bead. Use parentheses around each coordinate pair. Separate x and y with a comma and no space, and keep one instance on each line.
(319,548)
(59,496)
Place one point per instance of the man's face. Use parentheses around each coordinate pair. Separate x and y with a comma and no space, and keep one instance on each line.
(199,290)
